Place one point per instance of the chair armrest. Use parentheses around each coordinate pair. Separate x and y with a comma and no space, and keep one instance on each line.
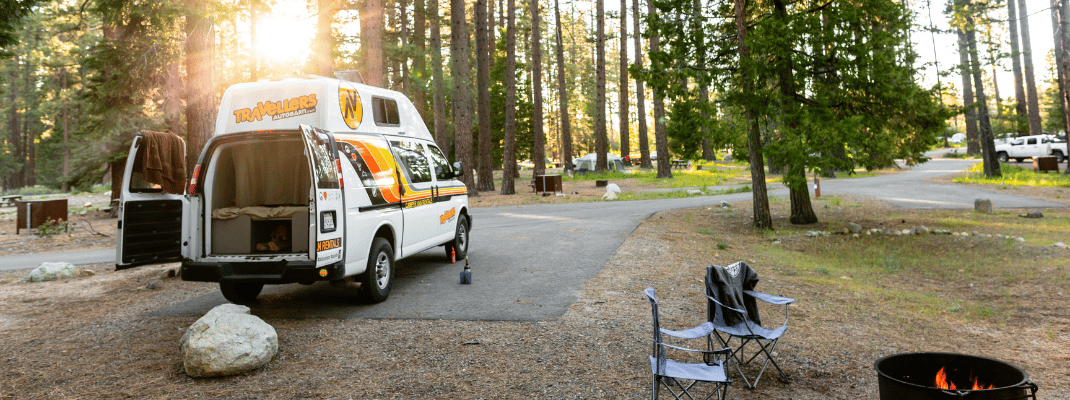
(694,333)
(768,298)
(744,312)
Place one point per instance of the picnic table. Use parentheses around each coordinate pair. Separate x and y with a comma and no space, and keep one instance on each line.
(681,164)
(9,200)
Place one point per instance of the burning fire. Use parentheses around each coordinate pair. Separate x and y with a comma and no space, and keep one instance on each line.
(943,383)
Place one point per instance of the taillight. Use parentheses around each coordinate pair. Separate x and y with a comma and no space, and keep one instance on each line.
(193,179)
(338,163)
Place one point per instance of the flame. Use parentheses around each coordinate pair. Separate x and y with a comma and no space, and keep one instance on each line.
(943,383)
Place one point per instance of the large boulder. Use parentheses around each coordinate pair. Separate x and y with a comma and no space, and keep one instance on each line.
(50,271)
(228,340)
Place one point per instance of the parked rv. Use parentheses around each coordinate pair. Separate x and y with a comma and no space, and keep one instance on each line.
(306,179)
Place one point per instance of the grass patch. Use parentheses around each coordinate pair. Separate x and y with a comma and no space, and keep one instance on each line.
(1014,176)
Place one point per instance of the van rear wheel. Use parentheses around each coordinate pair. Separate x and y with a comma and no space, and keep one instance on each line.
(378,278)
(240,292)
(459,244)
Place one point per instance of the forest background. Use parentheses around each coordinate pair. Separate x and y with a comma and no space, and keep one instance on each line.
(792,87)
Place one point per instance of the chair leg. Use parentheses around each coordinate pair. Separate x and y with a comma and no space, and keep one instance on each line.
(657,386)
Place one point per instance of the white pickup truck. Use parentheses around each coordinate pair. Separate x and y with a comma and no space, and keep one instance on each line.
(1028,147)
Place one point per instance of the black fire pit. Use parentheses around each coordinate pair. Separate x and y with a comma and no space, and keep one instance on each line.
(912,376)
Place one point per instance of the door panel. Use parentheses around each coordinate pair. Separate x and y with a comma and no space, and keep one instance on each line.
(328,207)
(150,227)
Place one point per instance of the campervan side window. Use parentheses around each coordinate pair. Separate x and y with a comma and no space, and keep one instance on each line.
(411,155)
(386,111)
(442,165)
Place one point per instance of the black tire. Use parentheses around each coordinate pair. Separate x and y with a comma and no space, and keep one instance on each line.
(460,240)
(378,279)
(240,292)
(1059,157)
(1003,157)
(1018,160)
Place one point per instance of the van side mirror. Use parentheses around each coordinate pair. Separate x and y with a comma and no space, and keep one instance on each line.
(458,170)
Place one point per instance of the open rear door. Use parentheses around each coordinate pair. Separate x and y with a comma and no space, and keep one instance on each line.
(328,207)
(151,228)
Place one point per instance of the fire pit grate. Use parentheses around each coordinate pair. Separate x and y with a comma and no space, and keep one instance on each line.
(910,376)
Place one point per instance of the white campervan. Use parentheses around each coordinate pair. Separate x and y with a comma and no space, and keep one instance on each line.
(306,179)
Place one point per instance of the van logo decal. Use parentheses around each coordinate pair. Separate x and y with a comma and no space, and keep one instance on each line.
(328,244)
(277,110)
(350,105)
(448,216)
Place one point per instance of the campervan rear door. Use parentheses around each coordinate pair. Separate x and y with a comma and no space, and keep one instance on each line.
(151,228)
(329,204)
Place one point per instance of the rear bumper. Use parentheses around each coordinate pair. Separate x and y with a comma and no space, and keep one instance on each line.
(274,272)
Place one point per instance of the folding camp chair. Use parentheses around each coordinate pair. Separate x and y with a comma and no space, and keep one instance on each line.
(733,312)
(670,373)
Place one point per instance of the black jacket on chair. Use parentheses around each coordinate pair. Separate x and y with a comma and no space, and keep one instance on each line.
(726,284)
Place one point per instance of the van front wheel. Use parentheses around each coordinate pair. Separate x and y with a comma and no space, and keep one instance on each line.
(459,244)
(240,292)
(377,280)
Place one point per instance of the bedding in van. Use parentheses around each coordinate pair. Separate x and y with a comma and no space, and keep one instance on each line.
(258,213)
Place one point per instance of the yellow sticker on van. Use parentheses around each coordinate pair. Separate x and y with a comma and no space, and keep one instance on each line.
(350,105)
(277,110)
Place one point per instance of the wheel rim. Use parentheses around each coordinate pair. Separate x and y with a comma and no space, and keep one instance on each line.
(462,237)
(382,270)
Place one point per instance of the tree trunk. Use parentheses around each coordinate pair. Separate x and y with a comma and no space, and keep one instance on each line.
(200,89)
(419,27)
(371,39)
(640,94)
(802,211)
(1060,59)
(704,94)
(566,128)
(625,140)
(322,62)
(65,126)
(539,151)
(760,203)
(972,141)
(509,150)
(991,165)
(661,140)
(1020,125)
(1030,82)
(1064,28)
(600,135)
(254,42)
(462,103)
(486,166)
(439,99)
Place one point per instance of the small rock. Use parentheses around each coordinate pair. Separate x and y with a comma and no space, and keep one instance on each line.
(154,285)
(813,233)
(908,231)
(982,206)
(1032,214)
(86,272)
(854,228)
(999,236)
(724,204)
(728,157)
(612,187)
(1060,245)
(83,212)
(854,235)
(954,234)
(228,340)
(87,204)
(695,192)
(922,230)
(845,231)
(609,196)
(776,241)
(1019,240)
(50,271)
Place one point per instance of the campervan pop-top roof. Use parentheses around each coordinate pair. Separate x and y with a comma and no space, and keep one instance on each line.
(335,105)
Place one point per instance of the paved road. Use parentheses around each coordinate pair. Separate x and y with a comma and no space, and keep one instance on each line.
(529,263)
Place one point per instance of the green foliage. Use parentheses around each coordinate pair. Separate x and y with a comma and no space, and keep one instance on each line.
(830,94)
(51,228)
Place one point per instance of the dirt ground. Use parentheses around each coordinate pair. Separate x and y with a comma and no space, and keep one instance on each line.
(92,336)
